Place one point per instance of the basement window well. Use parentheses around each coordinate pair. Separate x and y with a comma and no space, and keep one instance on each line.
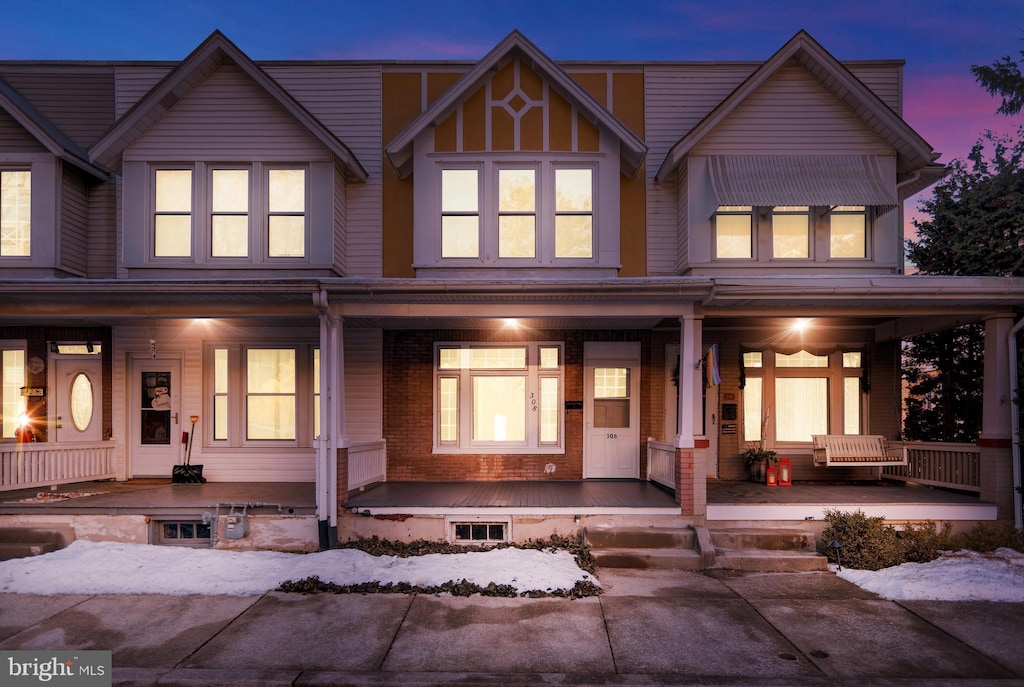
(192,533)
(479,532)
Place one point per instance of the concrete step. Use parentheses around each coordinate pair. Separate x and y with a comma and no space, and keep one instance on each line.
(644,559)
(766,550)
(764,539)
(21,542)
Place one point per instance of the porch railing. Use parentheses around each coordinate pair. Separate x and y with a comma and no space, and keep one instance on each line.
(367,463)
(661,463)
(955,466)
(24,466)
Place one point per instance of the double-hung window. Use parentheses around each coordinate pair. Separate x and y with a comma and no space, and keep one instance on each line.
(498,398)
(260,394)
(848,232)
(500,213)
(212,212)
(12,379)
(15,213)
(734,232)
(788,397)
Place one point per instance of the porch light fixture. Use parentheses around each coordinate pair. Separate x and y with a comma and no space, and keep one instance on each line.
(89,347)
(511,323)
(800,325)
(54,347)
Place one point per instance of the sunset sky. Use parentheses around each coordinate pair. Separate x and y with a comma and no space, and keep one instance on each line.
(939,39)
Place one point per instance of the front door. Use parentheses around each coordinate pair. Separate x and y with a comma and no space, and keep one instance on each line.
(78,412)
(155,416)
(611,445)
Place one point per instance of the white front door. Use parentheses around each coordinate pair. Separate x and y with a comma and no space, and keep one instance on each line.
(78,413)
(155,416)
(611,415)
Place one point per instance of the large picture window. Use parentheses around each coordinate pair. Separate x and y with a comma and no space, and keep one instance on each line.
(498,398)
(260,394)
(15,213)
(500,213)
(787,398)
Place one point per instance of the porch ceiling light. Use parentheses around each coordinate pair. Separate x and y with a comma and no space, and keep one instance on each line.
(800,325)
(511,323)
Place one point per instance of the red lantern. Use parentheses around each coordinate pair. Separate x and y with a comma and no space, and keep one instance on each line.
(785,473)
(773,476)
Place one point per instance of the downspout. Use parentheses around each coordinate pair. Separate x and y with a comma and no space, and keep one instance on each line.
(1015,422)
(326,443)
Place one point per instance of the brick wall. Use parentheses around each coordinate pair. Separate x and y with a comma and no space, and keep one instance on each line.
(409,413)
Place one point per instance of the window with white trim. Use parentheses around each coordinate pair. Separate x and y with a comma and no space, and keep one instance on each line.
(734,232)
(502,213)
(787,398)
(793,232)
(500,398)
(263,394)
(209,212)
(15,213)
(12,379)
(791,235)
(848,232)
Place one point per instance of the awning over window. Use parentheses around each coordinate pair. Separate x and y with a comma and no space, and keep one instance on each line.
(770,180)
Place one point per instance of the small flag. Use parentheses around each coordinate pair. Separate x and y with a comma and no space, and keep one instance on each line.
(711,366)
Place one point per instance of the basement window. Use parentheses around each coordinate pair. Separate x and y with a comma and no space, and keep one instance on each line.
(193,533)
(479,532)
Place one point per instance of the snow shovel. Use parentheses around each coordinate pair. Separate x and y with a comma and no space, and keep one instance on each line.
(188,473)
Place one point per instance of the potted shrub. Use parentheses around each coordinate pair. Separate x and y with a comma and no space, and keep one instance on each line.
(757,458)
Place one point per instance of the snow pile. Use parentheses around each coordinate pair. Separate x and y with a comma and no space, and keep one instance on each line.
(959,576)
(87,567)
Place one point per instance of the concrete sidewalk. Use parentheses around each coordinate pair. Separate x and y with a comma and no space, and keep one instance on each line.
(649,628)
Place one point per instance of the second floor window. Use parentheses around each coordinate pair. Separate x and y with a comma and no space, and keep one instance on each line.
(15,213)
(734,232)
(217,212)
(534,214)
(848,232)
(791,231)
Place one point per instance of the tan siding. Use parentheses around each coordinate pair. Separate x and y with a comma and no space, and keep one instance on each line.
(364,394)
(77,100)
(102,231)
(15,139)
(791,113)
(73,224)
(227,117)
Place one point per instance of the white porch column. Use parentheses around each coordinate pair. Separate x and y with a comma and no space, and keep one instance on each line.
(690,354)
(332,442)
(995,442)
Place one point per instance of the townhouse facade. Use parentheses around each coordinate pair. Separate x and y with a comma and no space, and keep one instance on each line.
(350,273)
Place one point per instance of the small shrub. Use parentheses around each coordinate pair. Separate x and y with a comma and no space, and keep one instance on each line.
(989,537)
(923,542)
(867,542)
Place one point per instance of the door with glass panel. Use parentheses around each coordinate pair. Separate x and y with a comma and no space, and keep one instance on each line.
(155,416)
(611,445)
(78,413)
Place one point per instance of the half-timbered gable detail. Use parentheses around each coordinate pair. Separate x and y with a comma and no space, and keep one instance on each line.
(516,169)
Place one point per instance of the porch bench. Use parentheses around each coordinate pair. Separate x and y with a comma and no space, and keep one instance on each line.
(855,450)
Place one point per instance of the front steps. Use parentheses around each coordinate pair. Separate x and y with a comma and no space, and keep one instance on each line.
(22,542)
(698,548)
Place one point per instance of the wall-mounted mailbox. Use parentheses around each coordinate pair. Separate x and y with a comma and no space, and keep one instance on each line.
(574,405)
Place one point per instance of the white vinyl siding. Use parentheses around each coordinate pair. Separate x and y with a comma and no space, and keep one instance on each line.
(364,392)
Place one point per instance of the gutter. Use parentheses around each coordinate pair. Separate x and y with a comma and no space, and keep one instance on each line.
(1015,422)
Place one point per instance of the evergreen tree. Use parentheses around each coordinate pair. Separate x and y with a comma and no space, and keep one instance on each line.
(1003,78)
(976,228)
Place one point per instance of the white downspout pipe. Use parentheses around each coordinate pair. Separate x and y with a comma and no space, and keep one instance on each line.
(1015,422)
(326,444)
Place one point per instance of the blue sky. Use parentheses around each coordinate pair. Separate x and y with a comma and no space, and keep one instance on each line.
(939,39)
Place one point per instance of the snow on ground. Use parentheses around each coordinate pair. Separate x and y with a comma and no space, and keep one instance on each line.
(113,568)
(954,576)
(87,567)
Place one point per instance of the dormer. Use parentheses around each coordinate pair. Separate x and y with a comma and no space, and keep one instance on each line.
(516,173)
(44,182)
(801,169)
(226,172)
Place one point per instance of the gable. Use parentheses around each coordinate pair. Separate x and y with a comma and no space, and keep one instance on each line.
(516,110)
(228,117)
(792,113)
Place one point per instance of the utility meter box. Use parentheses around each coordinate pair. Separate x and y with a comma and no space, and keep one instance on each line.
(237,526)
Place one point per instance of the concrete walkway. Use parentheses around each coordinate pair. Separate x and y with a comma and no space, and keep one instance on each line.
(661,627)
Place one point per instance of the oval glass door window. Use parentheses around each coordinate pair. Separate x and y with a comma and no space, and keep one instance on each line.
(81,401)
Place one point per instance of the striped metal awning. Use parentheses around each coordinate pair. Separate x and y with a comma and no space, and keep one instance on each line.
(770,180)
